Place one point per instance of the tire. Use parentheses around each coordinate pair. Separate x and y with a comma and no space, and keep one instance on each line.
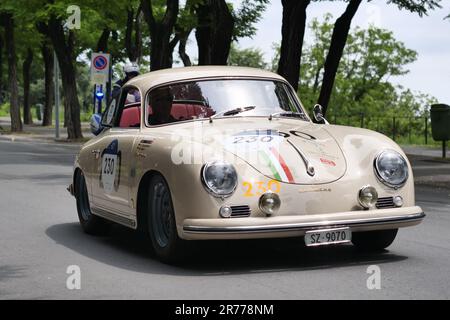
(374,240)
(90,223)
(161,225)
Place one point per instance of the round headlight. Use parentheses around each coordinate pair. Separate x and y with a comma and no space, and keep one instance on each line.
(391,168)
(368,197)
(219,178)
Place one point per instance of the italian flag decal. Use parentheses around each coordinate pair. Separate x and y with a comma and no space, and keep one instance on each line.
(276,164)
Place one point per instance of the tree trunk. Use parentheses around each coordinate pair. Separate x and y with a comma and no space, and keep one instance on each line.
(47,55)
(160,32)
(102,43)
(64,49)
(1,68)
(16,121)
(26,70)
(214,33)
(182,48)
(133,48)
(337,45)
(293,31)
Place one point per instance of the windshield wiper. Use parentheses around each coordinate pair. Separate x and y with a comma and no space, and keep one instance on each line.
(288,113)
(231,112)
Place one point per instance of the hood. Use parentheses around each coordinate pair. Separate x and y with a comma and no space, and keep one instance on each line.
(287,150)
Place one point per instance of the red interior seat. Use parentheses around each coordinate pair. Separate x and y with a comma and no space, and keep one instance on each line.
(131,118)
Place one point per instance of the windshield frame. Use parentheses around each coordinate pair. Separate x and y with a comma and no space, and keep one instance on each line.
(290,91)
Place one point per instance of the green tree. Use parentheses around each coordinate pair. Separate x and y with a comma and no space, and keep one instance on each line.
(249,57)
(7,16)
(292,34)
(371,58)
(219,24)
(340,35)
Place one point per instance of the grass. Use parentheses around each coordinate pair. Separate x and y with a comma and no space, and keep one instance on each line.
(4,110)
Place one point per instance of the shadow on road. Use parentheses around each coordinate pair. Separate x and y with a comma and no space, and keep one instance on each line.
(126,249)
(11,272)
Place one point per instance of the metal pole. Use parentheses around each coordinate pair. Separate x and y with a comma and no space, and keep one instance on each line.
(56,71)
(426,130)
(393,128)
(109,84)
(444,146)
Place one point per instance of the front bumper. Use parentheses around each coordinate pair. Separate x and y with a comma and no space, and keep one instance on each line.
(294,226)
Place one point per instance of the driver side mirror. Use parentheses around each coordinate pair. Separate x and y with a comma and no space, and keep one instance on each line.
(318,114)
(96,125)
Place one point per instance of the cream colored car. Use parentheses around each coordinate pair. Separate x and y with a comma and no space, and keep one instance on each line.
(230,153)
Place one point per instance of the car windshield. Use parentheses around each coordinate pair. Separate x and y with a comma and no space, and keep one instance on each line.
(221,98)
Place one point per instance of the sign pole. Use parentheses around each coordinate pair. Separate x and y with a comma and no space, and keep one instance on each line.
(101,77)
(56,71)
(109,85)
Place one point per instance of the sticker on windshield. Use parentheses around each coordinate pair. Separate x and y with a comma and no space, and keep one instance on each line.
(110,167)
(111,110)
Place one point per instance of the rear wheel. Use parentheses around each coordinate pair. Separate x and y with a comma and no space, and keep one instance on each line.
(90,223)
(161,223)
(374,240)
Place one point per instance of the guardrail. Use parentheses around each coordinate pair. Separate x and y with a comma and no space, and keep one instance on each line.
(403,129)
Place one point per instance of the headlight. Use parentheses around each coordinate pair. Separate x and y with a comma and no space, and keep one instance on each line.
(219,178)
(368,197)
(391,168)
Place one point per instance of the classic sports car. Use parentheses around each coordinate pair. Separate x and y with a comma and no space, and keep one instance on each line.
(230,153)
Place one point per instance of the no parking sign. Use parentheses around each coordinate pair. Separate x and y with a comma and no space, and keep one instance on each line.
(99,68)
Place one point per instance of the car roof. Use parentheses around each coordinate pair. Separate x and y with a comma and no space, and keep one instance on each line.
(156,78)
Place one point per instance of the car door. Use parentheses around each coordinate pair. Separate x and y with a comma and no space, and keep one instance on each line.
(112,170)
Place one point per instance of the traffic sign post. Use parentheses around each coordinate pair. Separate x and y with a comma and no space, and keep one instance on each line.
(100,75)
(100,68)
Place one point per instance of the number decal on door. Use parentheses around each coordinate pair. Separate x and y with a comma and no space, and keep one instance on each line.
(110,167)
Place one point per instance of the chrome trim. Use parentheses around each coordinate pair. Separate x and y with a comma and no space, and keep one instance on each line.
(240,211)
(385,203)
(128,222)
(305,226)
(381,179)
(309,168)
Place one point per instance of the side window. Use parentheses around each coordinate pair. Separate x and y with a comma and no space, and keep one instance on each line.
(175,103)
(129,111)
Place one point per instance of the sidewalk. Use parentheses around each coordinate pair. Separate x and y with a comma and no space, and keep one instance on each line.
(36,132)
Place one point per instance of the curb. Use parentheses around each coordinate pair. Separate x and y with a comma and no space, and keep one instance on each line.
(53,141)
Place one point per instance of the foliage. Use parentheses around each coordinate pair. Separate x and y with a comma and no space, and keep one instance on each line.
(371,58)
(249,57)
(246,16)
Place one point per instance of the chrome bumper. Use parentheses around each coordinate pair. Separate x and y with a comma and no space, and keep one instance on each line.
(291,226)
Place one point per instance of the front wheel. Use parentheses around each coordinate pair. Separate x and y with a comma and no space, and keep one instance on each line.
(374,240)
(161,223)
(90,223)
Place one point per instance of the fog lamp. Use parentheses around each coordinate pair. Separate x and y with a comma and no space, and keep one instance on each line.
(368,197)
(269,203)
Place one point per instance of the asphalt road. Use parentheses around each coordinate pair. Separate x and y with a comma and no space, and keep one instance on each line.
(40,237)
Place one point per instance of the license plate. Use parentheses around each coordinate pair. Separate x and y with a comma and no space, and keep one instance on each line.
(322,237)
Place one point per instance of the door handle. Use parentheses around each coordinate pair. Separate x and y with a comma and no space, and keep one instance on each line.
(96,153)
